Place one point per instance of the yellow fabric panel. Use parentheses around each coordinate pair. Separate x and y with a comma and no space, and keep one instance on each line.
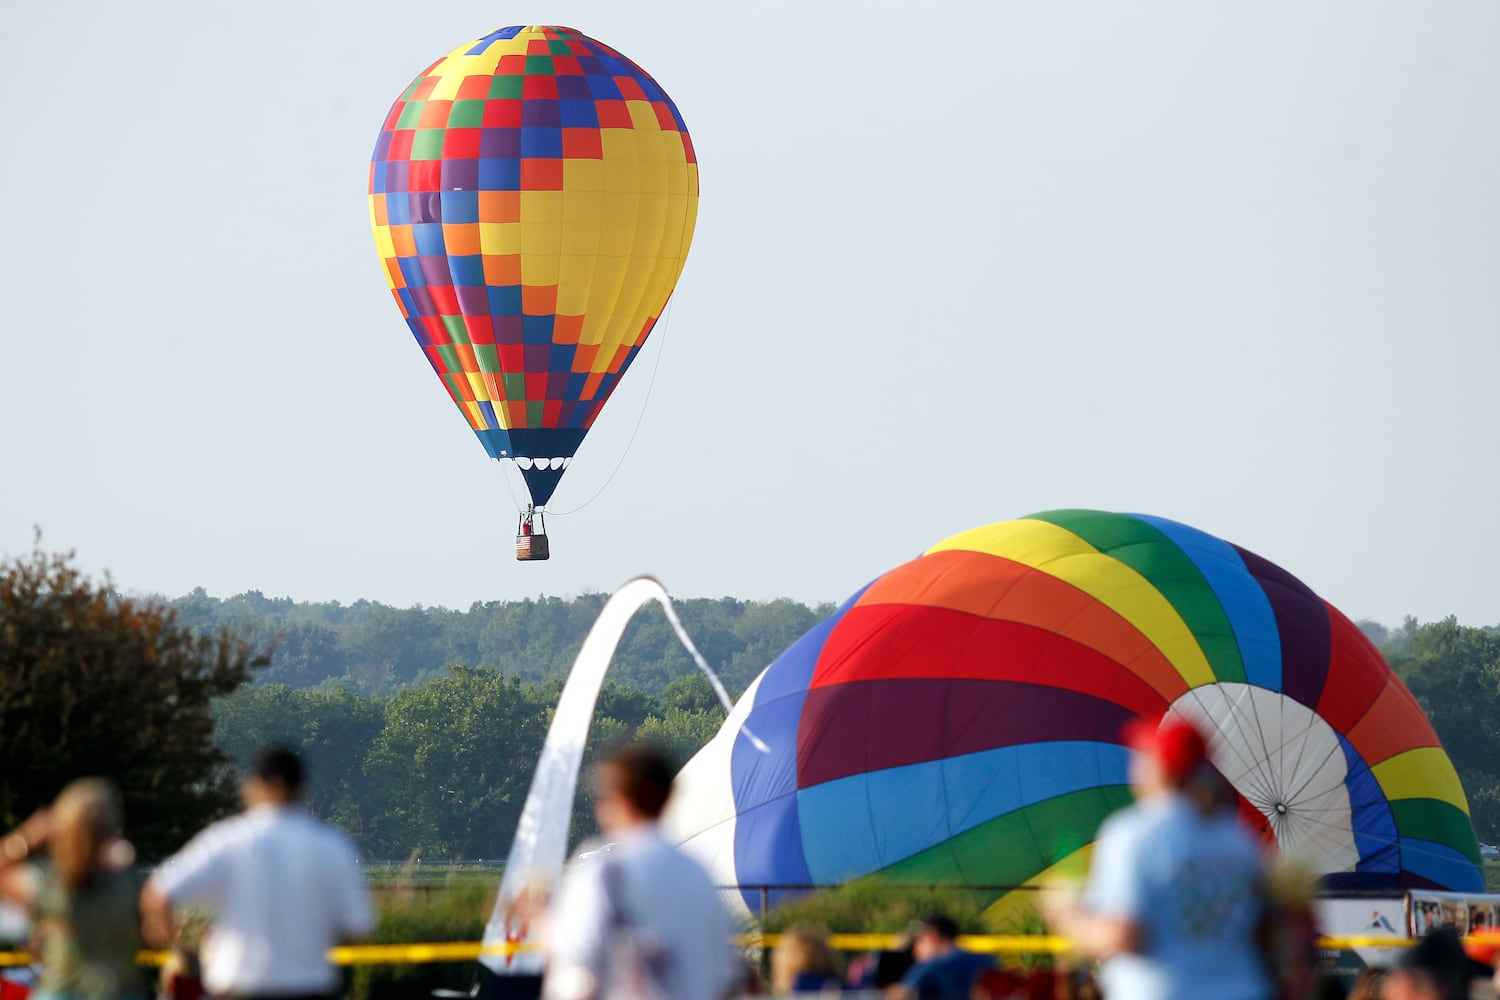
(1423,773)
(1062,554)
(1019,906)
(643,118)
(620,210)
(575,274)
(579,240)
(583,208)
(583,176)
(456,65)
(540,268)
(498,239)
(384,248)
(541,208)
(477,386)
(619,146)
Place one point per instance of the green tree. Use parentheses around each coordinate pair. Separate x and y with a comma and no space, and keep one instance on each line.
(451,767)
(682,733)
(1454,672)
(92,683)
(333,729)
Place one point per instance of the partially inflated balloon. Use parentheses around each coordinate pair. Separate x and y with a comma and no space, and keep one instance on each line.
(960,719)
(533,195)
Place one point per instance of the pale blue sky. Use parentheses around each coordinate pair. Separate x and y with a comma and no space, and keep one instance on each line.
(1234,264)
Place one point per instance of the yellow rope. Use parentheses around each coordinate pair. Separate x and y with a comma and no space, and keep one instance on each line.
(462,951)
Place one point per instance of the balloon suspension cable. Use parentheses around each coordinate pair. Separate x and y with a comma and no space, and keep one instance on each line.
(666,322)
(518,505)
(708,672)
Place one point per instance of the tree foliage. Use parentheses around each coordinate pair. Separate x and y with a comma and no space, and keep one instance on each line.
(1454,672)
(92,683)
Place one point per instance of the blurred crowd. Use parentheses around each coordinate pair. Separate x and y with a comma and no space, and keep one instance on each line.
(1180,902)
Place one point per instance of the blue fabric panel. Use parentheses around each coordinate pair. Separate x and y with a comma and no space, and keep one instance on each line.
(495,441)
(537,330)
(1441,865)
(547,442)
(768,848)
(398,210)
(411,273)
(1244,603)
(869,821)
(460,206)
(505,300)
(768,840)
(1375,832)
(428,237)
(499,174)
(602,86)
(542,142)
(467,271)
(578,114)
(541,483)
(482,44)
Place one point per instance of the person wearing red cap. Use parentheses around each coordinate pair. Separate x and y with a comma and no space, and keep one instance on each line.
(1172,903)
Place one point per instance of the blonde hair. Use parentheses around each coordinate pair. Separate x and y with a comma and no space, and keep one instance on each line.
(801,949)
(86,817)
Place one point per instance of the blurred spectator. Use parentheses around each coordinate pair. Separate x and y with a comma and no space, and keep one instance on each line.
(284,888)
(82,897)
(802,962)
(1173,901)
(644,919)
(1368,985)
(1437,968)
(941,970)
(1484,949)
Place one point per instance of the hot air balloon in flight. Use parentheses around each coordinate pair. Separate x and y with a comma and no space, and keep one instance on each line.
(960,719)
(533,195)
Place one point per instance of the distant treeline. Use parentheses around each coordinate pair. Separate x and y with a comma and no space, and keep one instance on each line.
(422,726)
(377,649)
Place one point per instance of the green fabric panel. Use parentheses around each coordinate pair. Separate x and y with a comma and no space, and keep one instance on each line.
(1439,822)
(427,144)
(1012,848)
(506,87)
(456,329)
(534,413)
(538,65)
(450,357)
(1157,558)
(559,47)
(515,386)
(466,114)
(488,357)
(411,114)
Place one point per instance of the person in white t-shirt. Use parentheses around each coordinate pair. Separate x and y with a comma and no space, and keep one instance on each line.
(640,919)
(284,888)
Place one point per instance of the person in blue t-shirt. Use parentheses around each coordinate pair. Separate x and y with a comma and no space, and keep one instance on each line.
(942,970)
(1174,896)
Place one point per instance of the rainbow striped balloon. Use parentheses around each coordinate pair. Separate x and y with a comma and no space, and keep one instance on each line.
(960,719)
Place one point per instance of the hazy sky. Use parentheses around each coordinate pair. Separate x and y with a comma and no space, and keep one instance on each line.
(1236,264)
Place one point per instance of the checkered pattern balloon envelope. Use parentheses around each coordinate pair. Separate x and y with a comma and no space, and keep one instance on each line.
(533,195)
